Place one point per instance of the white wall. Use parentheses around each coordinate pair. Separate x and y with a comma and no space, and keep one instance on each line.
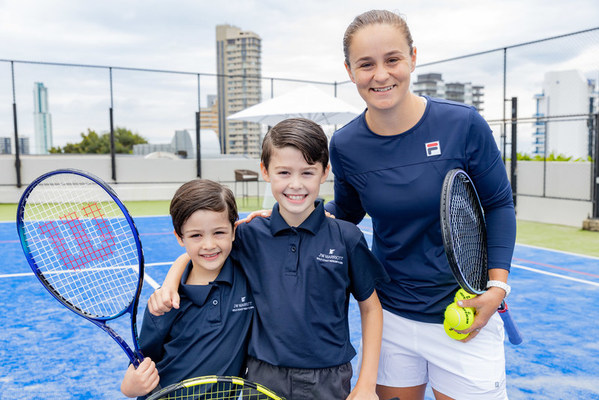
(567,183)
(157,179)
(137,178)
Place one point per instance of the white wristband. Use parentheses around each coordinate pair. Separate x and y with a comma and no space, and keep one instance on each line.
(501,285)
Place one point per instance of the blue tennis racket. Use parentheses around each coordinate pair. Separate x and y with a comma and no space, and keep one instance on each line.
(83,246)
(465,240)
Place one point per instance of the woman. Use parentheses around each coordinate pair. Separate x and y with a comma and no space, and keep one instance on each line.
(390,162)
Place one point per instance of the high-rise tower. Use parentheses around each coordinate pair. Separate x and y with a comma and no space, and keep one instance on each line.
(42,119)
(238,63)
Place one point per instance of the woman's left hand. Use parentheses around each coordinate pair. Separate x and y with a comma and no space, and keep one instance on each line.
(485,305)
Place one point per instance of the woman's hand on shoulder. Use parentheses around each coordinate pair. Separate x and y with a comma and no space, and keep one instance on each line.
(254,214)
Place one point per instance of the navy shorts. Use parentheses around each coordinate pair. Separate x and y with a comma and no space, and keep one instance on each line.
(302,384)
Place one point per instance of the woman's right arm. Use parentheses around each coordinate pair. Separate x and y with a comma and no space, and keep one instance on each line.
(167,296)
(347,205)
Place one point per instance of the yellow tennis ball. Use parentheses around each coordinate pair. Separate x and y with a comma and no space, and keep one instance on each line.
(459,318)
(453,334)
(463,295)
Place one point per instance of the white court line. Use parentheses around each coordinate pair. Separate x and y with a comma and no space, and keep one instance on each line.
(558,251)
(556,275)
(147,278)
(155,284)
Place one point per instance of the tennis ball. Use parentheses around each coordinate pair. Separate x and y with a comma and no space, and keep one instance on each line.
(459,318)
(463,295)
(453,334)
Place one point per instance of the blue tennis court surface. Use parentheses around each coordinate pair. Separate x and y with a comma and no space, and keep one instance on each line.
(48,352)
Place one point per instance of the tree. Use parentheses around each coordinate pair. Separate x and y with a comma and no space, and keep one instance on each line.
(92,143)
(551,157)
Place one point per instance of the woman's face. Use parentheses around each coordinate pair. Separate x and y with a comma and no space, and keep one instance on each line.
(380,65)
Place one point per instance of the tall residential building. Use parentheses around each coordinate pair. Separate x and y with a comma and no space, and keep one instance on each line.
(6,145)
(24,145)
(42,119)
(238,64)
(564,93)
(209,114)
(433,85)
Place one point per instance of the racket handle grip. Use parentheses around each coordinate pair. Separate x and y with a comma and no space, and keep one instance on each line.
(512,330)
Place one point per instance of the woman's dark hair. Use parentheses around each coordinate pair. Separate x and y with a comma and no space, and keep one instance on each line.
(375,17)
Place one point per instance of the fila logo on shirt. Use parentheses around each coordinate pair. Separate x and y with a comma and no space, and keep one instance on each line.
(433,148)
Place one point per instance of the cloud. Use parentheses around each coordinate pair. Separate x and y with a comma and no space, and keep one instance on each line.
(300,40)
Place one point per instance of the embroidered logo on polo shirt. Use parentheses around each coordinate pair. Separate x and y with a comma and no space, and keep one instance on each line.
(243,305)
(331,257)
(433,148)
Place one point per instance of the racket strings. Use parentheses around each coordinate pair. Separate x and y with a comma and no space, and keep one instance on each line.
(468,233)
(82,244)
(210,390)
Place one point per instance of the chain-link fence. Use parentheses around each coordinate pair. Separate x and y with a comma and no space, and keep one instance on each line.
(554,81)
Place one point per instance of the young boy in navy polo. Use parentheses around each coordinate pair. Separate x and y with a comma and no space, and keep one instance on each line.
(207,334)
(301,267)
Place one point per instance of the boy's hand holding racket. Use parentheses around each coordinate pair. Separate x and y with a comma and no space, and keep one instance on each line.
(140,381)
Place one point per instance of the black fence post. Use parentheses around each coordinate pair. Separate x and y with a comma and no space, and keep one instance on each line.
(504,126)
(112,149)
(199,130)
(595,192)
(16,133)
(514,162)
(198,146)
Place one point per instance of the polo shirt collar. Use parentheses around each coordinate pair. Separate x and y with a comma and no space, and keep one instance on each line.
(199,293)
(311,224)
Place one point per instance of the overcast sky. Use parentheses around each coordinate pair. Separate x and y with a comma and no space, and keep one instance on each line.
(300,39)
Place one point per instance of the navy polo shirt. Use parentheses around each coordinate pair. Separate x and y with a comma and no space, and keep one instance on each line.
(397,180)
(301,278)
(207,335)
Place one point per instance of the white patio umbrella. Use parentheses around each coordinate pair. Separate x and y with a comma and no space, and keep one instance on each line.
(303,102)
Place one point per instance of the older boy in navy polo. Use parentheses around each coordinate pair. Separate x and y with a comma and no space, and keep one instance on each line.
(207,334)
(301,267)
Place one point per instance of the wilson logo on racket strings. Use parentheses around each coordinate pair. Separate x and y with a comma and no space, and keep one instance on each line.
(433,148)
(88,252)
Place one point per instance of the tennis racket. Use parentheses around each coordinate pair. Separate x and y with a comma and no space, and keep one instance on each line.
(215,387)
(465,240)
(83,246)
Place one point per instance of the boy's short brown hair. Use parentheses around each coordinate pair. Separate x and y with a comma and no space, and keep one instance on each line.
(201,194)
(305,135)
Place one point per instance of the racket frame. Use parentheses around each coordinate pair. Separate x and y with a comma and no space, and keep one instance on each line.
(100,321)
(510,325)
(446,232)
(239,383)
